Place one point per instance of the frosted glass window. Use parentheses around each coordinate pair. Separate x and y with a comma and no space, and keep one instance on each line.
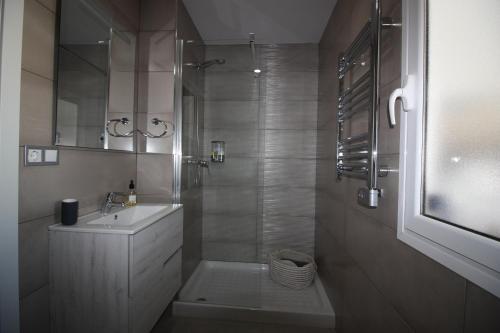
(462,145)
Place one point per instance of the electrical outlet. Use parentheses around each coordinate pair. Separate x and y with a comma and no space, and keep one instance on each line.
(34,155)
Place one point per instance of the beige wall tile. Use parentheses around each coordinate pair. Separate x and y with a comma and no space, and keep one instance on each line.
(482,311)
(85,175)
(34,312)
(156,92)
(158,15)
(34,255)
(157,50)
(428,295)
(38,39)
(50,4)
(122,92)
(369,310)
(129,9)
(154,174)
(36,110)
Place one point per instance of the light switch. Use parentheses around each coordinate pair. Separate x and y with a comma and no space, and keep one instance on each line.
(51,156)
(34,156)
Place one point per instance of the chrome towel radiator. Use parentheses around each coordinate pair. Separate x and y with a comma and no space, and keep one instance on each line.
(359,95)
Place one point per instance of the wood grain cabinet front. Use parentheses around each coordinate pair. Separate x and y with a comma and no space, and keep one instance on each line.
(105,282)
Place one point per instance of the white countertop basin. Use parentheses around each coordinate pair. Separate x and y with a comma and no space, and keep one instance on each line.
(121,221)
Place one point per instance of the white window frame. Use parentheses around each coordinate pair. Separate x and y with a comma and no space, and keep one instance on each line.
(475,257)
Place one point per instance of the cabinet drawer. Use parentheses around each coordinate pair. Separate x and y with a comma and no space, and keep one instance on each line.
(152,247)
(149,301)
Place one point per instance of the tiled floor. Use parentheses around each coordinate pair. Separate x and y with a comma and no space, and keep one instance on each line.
(169,324)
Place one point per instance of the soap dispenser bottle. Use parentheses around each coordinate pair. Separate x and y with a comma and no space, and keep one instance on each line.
(132,197)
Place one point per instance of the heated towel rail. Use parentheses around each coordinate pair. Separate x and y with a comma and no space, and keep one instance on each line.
(359,82)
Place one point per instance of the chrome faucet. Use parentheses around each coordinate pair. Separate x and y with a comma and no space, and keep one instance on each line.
(111,202)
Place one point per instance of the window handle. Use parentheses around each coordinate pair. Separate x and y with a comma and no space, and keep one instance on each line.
(404,94)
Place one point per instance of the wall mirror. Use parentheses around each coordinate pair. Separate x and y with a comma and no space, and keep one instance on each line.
(96,78)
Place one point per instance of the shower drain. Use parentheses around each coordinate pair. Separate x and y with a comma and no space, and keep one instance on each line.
(201,299)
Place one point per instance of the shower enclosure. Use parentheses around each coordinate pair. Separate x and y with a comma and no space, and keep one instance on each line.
(261,104)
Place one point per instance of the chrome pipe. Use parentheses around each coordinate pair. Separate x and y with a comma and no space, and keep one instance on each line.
(354,155)
(352,139)
(354,146)
(358,108)
(360,44)
(358,85)
(373,125)
(354,174)
(355,100)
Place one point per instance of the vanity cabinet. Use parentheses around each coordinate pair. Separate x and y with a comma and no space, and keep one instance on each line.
(114,281)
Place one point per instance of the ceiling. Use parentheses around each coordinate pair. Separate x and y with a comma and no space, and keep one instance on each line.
(272,21)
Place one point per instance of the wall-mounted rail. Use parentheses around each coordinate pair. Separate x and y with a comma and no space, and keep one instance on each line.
(358,74)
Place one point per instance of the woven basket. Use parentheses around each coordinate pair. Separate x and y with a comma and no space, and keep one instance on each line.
(284,270)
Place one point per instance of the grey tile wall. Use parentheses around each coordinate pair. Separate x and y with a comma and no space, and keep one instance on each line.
(230,200)
(283,232)
(290,115)
(232,114)
(269,125)
(231,86)
(289,172)
(375,282)
(225,228)
(290,144)
(239,142)
(288,201)
(234,171)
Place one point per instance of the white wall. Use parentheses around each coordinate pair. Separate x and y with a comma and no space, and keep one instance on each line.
(10,78)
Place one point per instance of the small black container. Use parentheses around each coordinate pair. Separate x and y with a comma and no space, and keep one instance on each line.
(69,211)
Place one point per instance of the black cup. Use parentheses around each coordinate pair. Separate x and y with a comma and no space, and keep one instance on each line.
(69,211)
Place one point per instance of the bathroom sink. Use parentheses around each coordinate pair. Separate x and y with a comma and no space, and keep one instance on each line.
(124,220)
(128,216)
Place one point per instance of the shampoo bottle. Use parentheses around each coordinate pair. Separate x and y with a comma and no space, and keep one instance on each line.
(132,198)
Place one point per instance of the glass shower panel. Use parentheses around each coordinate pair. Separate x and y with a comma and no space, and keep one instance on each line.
(462,151)
(191,175)
(230,274)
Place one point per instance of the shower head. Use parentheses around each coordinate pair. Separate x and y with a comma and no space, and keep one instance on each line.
(205,64)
